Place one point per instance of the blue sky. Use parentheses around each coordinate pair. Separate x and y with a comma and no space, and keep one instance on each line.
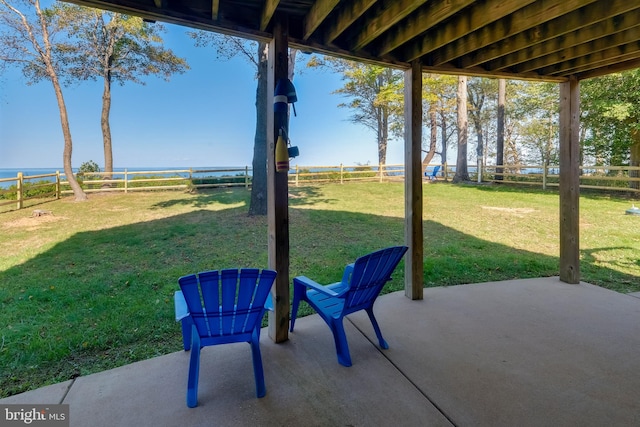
(204,117)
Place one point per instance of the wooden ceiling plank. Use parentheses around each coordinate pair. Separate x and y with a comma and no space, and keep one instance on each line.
(472,19)
(577,50)
(533,42)
(268,10)
(215,9)
(595,60)
(346,17)
(521,20)
(316,16)
(426,17)
(390,14)
(613,68)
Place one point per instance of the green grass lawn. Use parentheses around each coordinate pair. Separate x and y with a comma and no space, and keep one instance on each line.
(91,286)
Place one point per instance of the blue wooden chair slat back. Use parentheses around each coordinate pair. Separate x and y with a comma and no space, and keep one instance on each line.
(370,274)
(232,300)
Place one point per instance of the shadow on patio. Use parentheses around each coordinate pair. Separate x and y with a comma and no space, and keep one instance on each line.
(522,352)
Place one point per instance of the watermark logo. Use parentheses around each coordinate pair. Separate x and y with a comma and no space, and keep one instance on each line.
(34,415)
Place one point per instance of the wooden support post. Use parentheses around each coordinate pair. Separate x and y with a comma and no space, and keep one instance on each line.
(570,181)
(413,234)
(19,190)
(278,187)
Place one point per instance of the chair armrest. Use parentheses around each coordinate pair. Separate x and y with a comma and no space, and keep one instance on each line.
(308,283)
(346,276)
(180,305)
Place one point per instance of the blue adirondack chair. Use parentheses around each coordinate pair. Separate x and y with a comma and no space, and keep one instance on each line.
(223,307)
(434,174)
(361,284)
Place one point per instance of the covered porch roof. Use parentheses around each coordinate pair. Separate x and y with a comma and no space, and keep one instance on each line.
(521,39)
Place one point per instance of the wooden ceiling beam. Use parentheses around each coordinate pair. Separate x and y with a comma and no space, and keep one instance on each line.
(594,60)
(346,17)
(316,16)
(426,17)
(521,20)
(613,68)
(578,50)
(557,34)
(266,15)
(215,9)
(389,14)
(472,19)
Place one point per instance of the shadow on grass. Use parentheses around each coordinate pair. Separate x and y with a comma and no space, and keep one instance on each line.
(103,298)
(298,196)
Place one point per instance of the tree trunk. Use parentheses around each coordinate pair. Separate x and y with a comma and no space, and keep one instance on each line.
(443,136)
(462,173)
(383,138)
(68,144)
(433,123)
(258,204)
(502,91)
(106,128)
(635,158)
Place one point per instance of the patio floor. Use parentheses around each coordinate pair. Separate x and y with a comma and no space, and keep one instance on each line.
(514,353)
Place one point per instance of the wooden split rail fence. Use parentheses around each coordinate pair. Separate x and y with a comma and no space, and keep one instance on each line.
(27,190)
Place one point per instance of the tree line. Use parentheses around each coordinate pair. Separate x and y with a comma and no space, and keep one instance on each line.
(511,121)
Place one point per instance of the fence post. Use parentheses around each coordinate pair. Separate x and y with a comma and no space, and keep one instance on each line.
(341,173)
(19,187)
(126,182)
(246,177)
(297,175)
(544,176)
(58,192)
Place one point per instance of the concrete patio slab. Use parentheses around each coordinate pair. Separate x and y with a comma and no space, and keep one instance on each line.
(514,353)
(518,353)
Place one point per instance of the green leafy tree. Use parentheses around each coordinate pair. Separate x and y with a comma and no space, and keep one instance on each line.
(116,48)
(611,118)
(482,93)
(28,41)
(375,94)
(438,107)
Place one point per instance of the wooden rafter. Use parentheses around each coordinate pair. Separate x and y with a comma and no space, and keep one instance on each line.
(268,10)
(521,20)
(345,18)
(426,17)
(389,14)
(557,34)
(482,14)
(594,60)
(215,9)
(318,13)
(578,50)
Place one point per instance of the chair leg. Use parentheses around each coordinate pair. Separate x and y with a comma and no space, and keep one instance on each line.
(376,328)
(340,338)
(194,369)
(298,293)
(187,323)
(258,371)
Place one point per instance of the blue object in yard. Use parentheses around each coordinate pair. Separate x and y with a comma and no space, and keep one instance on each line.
(234,305)
(361,284)
(633,211)
(434,174)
